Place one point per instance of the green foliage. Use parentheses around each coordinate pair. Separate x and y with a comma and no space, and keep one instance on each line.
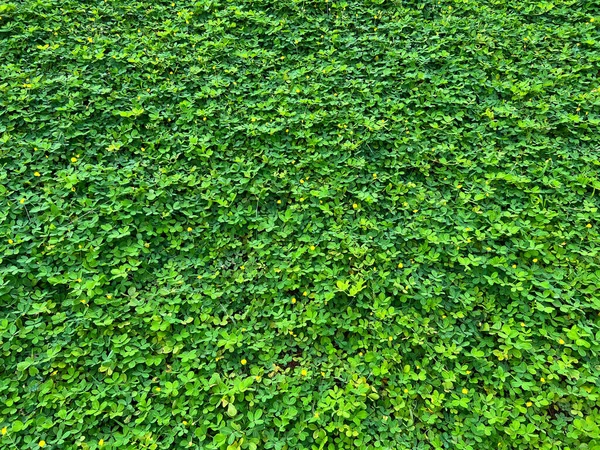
(299,224)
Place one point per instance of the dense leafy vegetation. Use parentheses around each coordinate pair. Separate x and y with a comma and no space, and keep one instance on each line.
(299,224)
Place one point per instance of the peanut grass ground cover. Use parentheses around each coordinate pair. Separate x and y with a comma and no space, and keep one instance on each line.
(299,224)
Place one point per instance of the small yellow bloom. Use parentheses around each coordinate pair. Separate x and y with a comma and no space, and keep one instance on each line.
(147,245)
(304,372)
(354,205)
(189,228)
(468,372)
(108,296)
(305,293)
(101,443)
(4,431)
(406,391)
(316,415)
(535,260)
(374,175)
(279,202)
(514,266)
(415,210)
(184,422)
(302,181)
(561,342)
(297,91)
(390,338)
(312,247)
(465,391)
(157,389)
(90,39)
(400,266)
(543,380)
(73,159)
(458,186)
(143,149)
(42,443)
(522,324)
(287,131)
(257,377)
(294,300)
(528,404)
(243,361)
(489,249)
(589,225)
(36,174)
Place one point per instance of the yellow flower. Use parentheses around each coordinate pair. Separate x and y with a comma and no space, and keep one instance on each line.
(406,391)
(465,391)
(543,380)
(4,431)
(157,389)
(305,293)
(489,249)
(294,300)
(189,228)
(36,174)
(514,266)
(22,201)
(101,443)
(73,159)
(297,91)
(304,372)
(468,372)
(184,422)
(458,186)
(147,245)
(354,205)
(374,175)
(400,266)
(287,131)
(243,361)
(143,149)
(535,260)
(589,225)
(279,202)
(108,296)
(90,39)
(312,247)
(316,415)
(528,404)
(522,324)
(561,342)
(302,181)
(42,443)
(257,377)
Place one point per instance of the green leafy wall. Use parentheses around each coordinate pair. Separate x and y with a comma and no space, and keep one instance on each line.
(299,224)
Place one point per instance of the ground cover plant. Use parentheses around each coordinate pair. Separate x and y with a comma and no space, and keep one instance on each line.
(299,224)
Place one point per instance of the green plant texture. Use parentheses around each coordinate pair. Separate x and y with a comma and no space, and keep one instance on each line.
(300,224)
